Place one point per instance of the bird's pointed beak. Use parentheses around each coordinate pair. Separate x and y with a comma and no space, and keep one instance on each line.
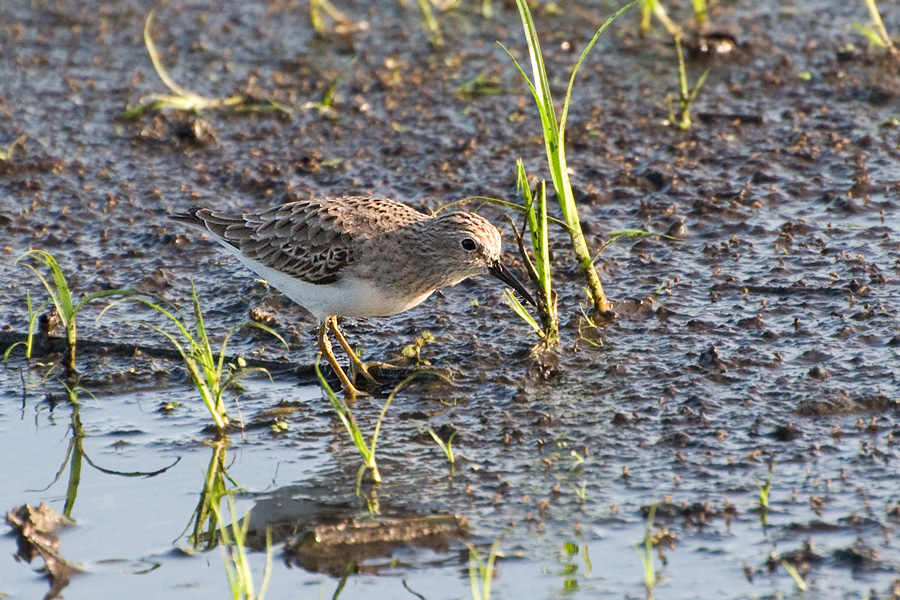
(505,275)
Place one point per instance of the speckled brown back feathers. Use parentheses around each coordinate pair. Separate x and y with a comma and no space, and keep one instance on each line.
(310,240)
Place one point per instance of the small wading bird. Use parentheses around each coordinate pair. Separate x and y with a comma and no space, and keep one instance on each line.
(357,257)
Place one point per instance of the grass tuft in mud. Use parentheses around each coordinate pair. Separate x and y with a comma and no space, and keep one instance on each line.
(61,297)
(209,373)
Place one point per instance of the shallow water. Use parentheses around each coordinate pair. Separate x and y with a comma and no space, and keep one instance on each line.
(769,335)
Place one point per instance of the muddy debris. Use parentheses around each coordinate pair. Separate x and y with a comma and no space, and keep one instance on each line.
(35,533)
(346,546)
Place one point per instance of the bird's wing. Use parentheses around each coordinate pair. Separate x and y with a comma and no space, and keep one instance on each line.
(310,240)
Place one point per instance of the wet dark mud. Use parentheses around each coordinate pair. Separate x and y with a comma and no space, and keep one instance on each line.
(765,340)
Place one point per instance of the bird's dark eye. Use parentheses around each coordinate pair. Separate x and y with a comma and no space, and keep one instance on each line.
(468,244)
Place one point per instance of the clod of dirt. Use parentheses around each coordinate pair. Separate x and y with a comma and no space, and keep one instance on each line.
(333,548)
(34,528)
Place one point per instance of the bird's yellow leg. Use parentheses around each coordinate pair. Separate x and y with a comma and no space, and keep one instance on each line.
(356,365)
(325,348)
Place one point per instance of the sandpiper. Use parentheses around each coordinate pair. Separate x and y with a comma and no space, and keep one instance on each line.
(357,257)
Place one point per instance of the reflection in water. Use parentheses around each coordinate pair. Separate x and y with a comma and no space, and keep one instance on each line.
(75,454)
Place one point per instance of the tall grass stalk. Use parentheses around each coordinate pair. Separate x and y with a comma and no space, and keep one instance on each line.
(234,555)
(366,449)
(61,297)
(686,96)
(554,140)
(208,372)
(481,573)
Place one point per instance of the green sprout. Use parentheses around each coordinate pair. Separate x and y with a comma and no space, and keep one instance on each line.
(208,372)
(646,554)
(431,22)
(61,298)
(763,497)
(876,33)
(554,140)
(366,449)
(414,351)
(446,447)
(686,96)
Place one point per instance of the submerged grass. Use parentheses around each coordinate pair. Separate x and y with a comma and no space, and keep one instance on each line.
(61,298)
(481,572)
(209,373)
(554,132)
(646,554)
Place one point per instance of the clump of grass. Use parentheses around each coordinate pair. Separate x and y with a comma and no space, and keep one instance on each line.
(538,267)
(876,33)
(209,372)
(234,555)
(686,96)
(7,154)
(554,132)
(481,572)
(366,449)
(61,298)
(414,351)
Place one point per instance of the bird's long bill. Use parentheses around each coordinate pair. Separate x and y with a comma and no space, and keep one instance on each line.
(505,275)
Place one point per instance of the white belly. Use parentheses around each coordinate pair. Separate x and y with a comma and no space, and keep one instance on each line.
(349,297)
